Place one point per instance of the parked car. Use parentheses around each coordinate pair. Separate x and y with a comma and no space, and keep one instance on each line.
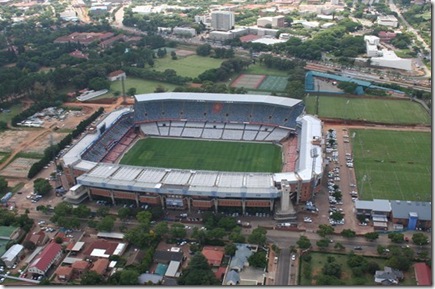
(357,248)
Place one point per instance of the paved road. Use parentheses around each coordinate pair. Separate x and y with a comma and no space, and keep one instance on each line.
(282,273)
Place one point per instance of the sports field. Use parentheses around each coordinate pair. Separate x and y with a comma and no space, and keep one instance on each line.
(392,165)
(141,85)
(189,66)
(248,81)
(204,155)
(369,109)
(274,83)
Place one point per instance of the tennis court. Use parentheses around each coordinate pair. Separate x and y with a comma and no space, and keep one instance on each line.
(274,83)
(248,81)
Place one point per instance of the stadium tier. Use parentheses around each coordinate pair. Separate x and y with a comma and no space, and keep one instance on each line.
(203,116)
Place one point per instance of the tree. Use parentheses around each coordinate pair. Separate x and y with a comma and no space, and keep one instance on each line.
(338,246)
(161,229)
(106,224)
(42,186)
(99,83)
(173,55)
(230,249)
(81,211)
(396,237)
(102,211)
(258,236)
(123,213)
(198,272)
(144,218)
(322,244)
(58,240)
(227,223)
(124,277)
(178,231)
(337,216)
(325,230)
(91,278)
(258,259)
(371,236)
(203,50)
(348,233)
(420,239)
(29,245)
(332,269)
(303,242)
(3,186)
(131,91)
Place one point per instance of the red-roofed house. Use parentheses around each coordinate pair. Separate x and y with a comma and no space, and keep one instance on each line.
(100,266)
(39,238)
(116,75)
(80,267)
(64,273)
(214,255)
(50,255)
(423,274)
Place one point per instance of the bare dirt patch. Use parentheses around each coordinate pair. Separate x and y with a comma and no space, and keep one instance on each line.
(18,168)
(13,138)
(183,53)
(43,142)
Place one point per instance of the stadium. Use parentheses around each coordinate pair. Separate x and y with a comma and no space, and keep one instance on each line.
(93,164)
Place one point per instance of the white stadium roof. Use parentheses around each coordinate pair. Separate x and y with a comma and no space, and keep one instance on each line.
(215,97)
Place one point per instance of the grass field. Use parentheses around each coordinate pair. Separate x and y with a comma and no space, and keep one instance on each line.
(377,110)
(204,155)
(392,165)
(141,85)
(274,83)
(320,259)
(190,66)
(14,110)
(261,69)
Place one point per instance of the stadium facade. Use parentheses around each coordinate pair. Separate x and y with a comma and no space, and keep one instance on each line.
(91,163)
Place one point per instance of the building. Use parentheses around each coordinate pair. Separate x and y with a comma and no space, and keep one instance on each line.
(373,208)
(12,255)
(98,10)
(411,214)
(184,31)
(50,255)
(100,266)
(388,276)
(172,270)
(165,257)
(222,20)
(388,20)
(273,22)
(372,43)
(386,36)
(104,249)
(388,58)
(64,273)
(116,75)
(146,278)
(214,255)
(80,267)
(38,238)
(423,274)
(240,259)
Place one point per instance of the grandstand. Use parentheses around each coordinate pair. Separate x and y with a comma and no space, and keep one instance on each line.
(257,118)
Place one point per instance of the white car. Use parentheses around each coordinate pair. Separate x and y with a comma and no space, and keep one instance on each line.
(293,257)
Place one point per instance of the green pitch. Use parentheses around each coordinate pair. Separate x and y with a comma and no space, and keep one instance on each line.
(204,155)
(392,165)
(370,109)
(274,83)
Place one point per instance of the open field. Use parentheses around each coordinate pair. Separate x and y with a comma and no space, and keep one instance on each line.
(204,155)
(190,66)
(320,259)
(369,109)
(13,111)
(141,85)
(392,165)
(261,69)
(274,83)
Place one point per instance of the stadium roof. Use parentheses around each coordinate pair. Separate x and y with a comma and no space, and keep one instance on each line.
(218,97)
(74,154)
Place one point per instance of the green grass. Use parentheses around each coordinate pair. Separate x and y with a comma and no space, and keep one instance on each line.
(260,69)
(369,109)
(189,66)
(397,164)
(14,110)
(205,155)
(320,259)
(141,85)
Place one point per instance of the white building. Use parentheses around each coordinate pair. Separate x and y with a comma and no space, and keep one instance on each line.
(222,20)
(372,43)
(389,59)
(389,20)
(275,22)
(11,256)
(50,255)
(184,31)
(205,19)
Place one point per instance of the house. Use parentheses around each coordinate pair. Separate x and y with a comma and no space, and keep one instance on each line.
(172,270)
(64,273)
(50,255)
(240,259)
(165,257)
(388,276)
(386,36)
(232,278)
(39,238)
(412,214)
(214,255)
(100,266)
(104,249)
(9,232)
(116,75)
(12,255)
(135,258)
(423,274)
(80,267)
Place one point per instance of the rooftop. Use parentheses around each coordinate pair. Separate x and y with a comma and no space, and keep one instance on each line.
(401,209)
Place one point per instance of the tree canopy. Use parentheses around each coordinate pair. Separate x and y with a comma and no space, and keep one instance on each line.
(198,272)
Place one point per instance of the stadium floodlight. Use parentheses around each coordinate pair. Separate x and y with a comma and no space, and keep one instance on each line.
(314,153)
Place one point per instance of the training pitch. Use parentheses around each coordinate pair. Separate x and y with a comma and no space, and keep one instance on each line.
(205,155)
(391,111)
(392,165)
